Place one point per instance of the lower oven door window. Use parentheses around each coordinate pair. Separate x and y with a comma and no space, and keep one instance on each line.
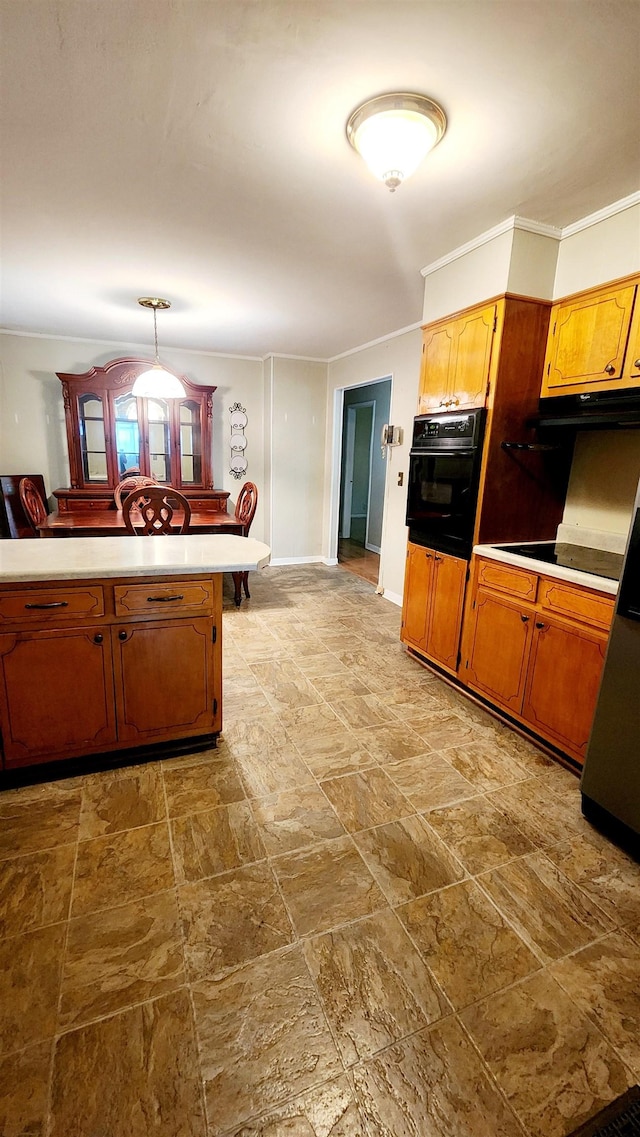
(442,499)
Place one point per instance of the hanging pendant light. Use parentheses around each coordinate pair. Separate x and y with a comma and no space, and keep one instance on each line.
(393,133)
(157,383)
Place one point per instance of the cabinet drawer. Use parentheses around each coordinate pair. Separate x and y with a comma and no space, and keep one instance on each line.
(577,603)
(175,598)
(48,604)
(506,578)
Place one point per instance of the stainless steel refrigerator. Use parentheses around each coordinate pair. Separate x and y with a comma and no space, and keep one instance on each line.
(611,777)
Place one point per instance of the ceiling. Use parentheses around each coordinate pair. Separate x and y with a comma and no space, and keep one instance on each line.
(196,149)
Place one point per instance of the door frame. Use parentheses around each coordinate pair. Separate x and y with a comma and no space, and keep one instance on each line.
(349,456)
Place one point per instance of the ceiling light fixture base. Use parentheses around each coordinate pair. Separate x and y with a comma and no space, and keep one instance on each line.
(394,132)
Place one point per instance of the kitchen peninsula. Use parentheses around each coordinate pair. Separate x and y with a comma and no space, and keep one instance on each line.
(110,643)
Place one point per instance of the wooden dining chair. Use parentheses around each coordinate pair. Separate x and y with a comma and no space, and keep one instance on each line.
(33,503)
(155,506)
(127,485)
(245,512)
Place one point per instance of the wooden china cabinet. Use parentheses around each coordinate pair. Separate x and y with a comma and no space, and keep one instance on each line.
(109,431)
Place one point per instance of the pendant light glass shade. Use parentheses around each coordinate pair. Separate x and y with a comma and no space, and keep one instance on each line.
(393,133)
(157,382)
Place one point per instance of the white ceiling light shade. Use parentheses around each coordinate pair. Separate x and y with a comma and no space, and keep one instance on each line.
(156,383)
(393,133)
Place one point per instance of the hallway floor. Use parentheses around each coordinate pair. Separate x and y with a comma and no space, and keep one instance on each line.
(372,911)
(355,558)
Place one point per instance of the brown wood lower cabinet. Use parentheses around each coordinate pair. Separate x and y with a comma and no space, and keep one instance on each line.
(112,681)
(432,607)
(541,668)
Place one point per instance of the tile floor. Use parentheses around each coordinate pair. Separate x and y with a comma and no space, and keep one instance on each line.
(371,912)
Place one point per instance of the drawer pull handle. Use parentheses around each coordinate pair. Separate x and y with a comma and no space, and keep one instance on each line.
(609,369)
(122,636)
(525,619)
(98,638)
(53,604)
(162,599)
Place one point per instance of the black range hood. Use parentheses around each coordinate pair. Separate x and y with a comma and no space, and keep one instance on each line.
(590,411)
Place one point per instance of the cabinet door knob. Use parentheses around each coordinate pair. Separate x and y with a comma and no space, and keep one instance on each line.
(98,638)
(438,558)
(428,556)
(455,401)
(636,363)
(122,635)
(539,624)
(524,619)
(609,369)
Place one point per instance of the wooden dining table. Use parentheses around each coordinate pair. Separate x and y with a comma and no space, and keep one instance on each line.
(110,523)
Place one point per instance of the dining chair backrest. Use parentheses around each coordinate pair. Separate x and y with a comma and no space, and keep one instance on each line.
(127,485)
(246,506)
(32,502)
(153,507)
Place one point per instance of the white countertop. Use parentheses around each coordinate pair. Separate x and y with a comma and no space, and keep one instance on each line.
(75,558)
(586,579)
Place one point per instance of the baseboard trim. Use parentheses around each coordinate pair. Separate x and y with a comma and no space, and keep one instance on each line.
(394,597)
(319,560)
(372,548)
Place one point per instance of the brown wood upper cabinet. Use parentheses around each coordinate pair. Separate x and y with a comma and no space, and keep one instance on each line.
(432,608)
(594,341)
(456,356)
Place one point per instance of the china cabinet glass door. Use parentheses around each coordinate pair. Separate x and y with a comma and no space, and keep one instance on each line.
(159,427)
(127,431)
(93,442)
(190,443)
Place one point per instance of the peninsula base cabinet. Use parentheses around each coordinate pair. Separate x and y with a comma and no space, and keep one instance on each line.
(88,668)
(432,606)
(534,647)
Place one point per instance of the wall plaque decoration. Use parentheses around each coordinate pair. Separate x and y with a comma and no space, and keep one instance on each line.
(238,442)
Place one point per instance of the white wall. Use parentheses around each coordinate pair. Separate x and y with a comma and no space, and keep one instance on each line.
(399,358)
(298,391)
(469,279)
(604,251)
(604,478)
(32,427)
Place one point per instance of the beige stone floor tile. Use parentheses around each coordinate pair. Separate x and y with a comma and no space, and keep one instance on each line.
(440,729)
(306,724)
(38,817)
(30,971)
(479,835)
(120,867)
(123,956)
(343,642)
(263,1040)
(130,798)
(322,665)
(24,1090)
(541,815)
(329,1110)
(525,752)
(553,916)
(230,919)
(391,742)
(607,875)
(604,980)
(362,710)
(203,785)
(294,818)
(432,1084)
(429,781)
(413,703)
(35,889)
(366,798)
(374,986)
(332,687)
(562,781)
(555,1068)
(215,841)
(327,885)
(407,859)
(284,685)
(273,768)
(469,947)
(330,755)
(484,765)
(131,1075)
(243,695)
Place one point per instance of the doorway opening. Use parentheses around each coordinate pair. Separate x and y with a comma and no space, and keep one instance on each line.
(363,472)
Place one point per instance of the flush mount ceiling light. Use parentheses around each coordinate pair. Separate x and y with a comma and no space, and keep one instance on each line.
(156,382)
(393,133)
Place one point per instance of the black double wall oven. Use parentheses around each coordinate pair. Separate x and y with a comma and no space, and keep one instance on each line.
(444,474)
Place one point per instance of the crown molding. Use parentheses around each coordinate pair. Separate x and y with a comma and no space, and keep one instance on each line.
(302,358)
(602,214)
(374,343)
(507,226)
(127,344)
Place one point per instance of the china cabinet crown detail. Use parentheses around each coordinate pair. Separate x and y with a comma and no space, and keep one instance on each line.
(109,431)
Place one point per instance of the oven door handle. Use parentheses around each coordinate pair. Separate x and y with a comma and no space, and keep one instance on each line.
(443,453)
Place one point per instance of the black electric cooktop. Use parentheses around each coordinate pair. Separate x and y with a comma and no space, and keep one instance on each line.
(599,562)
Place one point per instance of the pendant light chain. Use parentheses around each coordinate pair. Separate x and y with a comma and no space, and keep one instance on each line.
(155,333)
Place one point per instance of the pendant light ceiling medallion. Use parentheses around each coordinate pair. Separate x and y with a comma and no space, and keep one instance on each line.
(393,133)
(156,382)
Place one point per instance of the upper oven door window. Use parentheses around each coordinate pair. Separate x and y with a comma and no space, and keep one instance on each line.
(441,495)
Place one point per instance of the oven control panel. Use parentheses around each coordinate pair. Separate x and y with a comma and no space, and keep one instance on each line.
(447,429)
